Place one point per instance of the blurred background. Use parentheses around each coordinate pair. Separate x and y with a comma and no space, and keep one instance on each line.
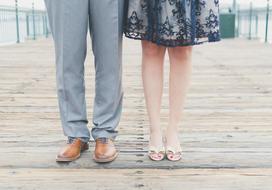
(226,132)
(26,19)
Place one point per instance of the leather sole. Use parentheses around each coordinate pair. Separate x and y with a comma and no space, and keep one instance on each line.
(105,160)
(61,159)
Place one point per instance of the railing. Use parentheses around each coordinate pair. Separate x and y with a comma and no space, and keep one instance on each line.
(18,24)
(254,23)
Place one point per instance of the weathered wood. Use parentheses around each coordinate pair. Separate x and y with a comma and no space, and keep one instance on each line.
(226,132)
(85,179)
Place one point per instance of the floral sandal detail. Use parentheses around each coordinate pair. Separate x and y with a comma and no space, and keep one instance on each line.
(156,154)
(173,154)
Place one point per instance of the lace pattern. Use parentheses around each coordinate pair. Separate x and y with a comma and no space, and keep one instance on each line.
(173,22)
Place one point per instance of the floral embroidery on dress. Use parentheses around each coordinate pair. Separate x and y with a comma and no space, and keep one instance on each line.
(173,22)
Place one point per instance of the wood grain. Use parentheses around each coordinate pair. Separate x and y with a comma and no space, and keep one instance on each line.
(226,132)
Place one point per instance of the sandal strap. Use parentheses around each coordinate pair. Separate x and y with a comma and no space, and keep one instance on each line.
(173,150)
(157,150)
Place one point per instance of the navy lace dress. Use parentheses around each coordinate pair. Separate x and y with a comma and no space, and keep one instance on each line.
(173,22)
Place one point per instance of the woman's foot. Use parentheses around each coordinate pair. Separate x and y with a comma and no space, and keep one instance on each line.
(156,147)
(173,148)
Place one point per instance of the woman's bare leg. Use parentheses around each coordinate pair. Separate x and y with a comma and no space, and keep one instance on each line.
(180,72)
(152,75)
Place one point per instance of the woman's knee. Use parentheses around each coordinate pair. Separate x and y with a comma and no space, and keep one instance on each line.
(152,50)
(181,52)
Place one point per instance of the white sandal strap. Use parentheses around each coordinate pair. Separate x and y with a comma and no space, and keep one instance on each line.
(173,150)
(156,149)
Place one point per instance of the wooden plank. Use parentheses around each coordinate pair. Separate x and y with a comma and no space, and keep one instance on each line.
(101,179)
(225,134)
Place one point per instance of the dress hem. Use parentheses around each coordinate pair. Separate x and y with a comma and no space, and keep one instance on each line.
(174,42)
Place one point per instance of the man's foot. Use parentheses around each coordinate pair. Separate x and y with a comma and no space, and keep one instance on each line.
(72,151)
(105,150)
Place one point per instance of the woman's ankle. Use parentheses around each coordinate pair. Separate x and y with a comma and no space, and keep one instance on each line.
(172,131)
(155,130)
(156,137)
(172,137)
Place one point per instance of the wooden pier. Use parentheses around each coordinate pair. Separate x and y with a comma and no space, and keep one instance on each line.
(226,133)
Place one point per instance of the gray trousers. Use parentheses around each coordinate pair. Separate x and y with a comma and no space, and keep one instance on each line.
(69,22)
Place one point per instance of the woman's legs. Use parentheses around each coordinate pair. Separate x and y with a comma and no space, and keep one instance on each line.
(152,75)
(180,72)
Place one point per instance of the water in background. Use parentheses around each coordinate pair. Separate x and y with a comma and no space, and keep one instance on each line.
(8,31)
(258,26)
(30,25)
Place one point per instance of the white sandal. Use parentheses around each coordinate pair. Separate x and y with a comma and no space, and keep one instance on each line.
(156,153)
(173,154)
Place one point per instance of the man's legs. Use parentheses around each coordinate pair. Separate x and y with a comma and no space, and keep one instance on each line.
(69,25)
(106,30)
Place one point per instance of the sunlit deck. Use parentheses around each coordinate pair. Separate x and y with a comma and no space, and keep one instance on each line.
(226,133)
